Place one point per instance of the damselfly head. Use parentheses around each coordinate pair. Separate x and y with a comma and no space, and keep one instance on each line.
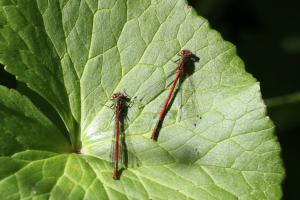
(186,52)
(117,96)
(121,95)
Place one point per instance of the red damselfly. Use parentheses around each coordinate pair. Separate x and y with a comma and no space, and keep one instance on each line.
(185,57)
(118,106)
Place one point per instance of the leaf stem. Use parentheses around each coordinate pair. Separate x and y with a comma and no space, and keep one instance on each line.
(286,99)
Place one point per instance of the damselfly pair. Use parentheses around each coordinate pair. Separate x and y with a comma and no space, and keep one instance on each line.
(119,103)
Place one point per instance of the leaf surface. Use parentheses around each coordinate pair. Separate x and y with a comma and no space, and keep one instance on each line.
(76,54)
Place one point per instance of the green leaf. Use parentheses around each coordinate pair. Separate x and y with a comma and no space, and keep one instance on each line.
(76,54)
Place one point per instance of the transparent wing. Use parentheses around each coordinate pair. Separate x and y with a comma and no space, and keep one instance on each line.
(187,106)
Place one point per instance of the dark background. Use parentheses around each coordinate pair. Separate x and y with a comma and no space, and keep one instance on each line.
(267,37)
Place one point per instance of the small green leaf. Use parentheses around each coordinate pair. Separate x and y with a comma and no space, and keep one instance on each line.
(24,127)
(76,54)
